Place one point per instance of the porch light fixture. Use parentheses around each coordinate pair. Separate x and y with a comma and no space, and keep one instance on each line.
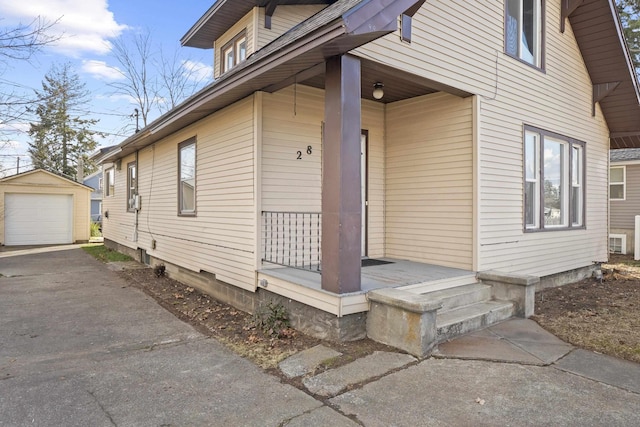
(378,90)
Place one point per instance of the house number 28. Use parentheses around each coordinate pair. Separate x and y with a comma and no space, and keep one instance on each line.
(309,152)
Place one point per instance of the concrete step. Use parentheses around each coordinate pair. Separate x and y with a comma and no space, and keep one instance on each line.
(461,296)
(438,285)
(459,321)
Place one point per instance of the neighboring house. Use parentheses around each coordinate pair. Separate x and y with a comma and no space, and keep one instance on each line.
(624,199)
(39,207)
(450,138)
(95,181)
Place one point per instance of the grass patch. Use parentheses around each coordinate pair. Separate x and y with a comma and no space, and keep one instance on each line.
(105,254)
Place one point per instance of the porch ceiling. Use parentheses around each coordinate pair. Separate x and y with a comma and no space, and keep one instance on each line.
(398,85)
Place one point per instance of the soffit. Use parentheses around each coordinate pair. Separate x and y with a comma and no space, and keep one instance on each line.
(598,33)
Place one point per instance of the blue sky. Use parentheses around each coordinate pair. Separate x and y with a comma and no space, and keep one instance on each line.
(87,28)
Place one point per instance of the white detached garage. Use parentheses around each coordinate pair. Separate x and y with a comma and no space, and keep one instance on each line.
(40,208)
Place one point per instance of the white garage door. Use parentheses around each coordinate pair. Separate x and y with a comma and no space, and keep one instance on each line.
(38,219)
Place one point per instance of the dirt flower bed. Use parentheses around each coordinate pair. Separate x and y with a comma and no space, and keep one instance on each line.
(250,336)
(599,316)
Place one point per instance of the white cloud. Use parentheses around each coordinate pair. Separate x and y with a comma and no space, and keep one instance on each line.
(198,71)
(101,71)
(15,127)
(84,25)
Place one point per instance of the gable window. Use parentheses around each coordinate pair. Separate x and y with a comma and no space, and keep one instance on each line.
(234,52)
(110,178)
(187,177)
(554,190)
(132,186)
(617,185)
(523,30)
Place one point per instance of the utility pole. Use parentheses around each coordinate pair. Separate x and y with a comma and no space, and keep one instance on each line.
(18,165)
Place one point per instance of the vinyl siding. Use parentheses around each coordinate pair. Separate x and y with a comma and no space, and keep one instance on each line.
(283,19)
(429,180)
(623,212)
(220,238)
(292,121)
(473,60)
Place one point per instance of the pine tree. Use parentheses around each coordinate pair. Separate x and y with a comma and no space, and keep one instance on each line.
(61,136)
(629,11)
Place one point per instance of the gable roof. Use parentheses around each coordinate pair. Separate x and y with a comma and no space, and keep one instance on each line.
(346,24)
(224,14)
(600,37)
(42,171)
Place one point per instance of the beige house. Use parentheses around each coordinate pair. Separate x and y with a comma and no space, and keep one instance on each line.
(357,157)
(39,208)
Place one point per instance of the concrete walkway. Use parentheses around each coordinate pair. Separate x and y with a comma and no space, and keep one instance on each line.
(78,347)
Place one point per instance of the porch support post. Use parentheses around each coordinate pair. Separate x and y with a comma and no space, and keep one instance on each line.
(341,203)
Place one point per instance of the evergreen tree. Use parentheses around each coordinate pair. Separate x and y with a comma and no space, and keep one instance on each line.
(629,11)
(61,136)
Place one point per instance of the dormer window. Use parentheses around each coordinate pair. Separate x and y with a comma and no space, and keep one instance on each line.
(234,52)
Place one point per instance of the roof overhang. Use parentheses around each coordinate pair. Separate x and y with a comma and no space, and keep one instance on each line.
(342,27)
(599,34)
(225,13)
(8,179)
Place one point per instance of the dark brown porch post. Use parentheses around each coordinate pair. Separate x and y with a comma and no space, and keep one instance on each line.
(341,203)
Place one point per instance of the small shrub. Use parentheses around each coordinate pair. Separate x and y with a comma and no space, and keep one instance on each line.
(95,230)
(272,318)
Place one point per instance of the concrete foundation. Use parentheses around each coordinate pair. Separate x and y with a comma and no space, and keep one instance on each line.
(566,277)
(309,320)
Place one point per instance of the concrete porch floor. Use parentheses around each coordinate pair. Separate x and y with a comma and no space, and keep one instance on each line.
(397,274)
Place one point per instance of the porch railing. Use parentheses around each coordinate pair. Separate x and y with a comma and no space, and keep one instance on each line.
(292,239)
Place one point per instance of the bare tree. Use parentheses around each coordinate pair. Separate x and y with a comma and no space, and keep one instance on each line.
(134,60)
(19,43)
(155,81)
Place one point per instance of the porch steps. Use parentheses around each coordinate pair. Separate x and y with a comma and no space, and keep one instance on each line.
(438,285)
(459,321)
(467,308)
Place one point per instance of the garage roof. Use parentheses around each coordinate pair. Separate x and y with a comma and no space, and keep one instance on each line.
(21,175)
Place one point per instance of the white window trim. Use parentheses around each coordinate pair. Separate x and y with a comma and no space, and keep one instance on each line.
(538,33)
(232,47)
(110,172)
(623,242)
(623,183)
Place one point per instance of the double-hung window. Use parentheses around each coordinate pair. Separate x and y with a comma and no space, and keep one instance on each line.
(110,179)
(234,52)
(524,24)
(617,187)
(187,178)
(554,190)
(132,186)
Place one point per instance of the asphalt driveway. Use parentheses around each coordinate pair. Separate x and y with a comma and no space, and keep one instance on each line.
(78,347)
